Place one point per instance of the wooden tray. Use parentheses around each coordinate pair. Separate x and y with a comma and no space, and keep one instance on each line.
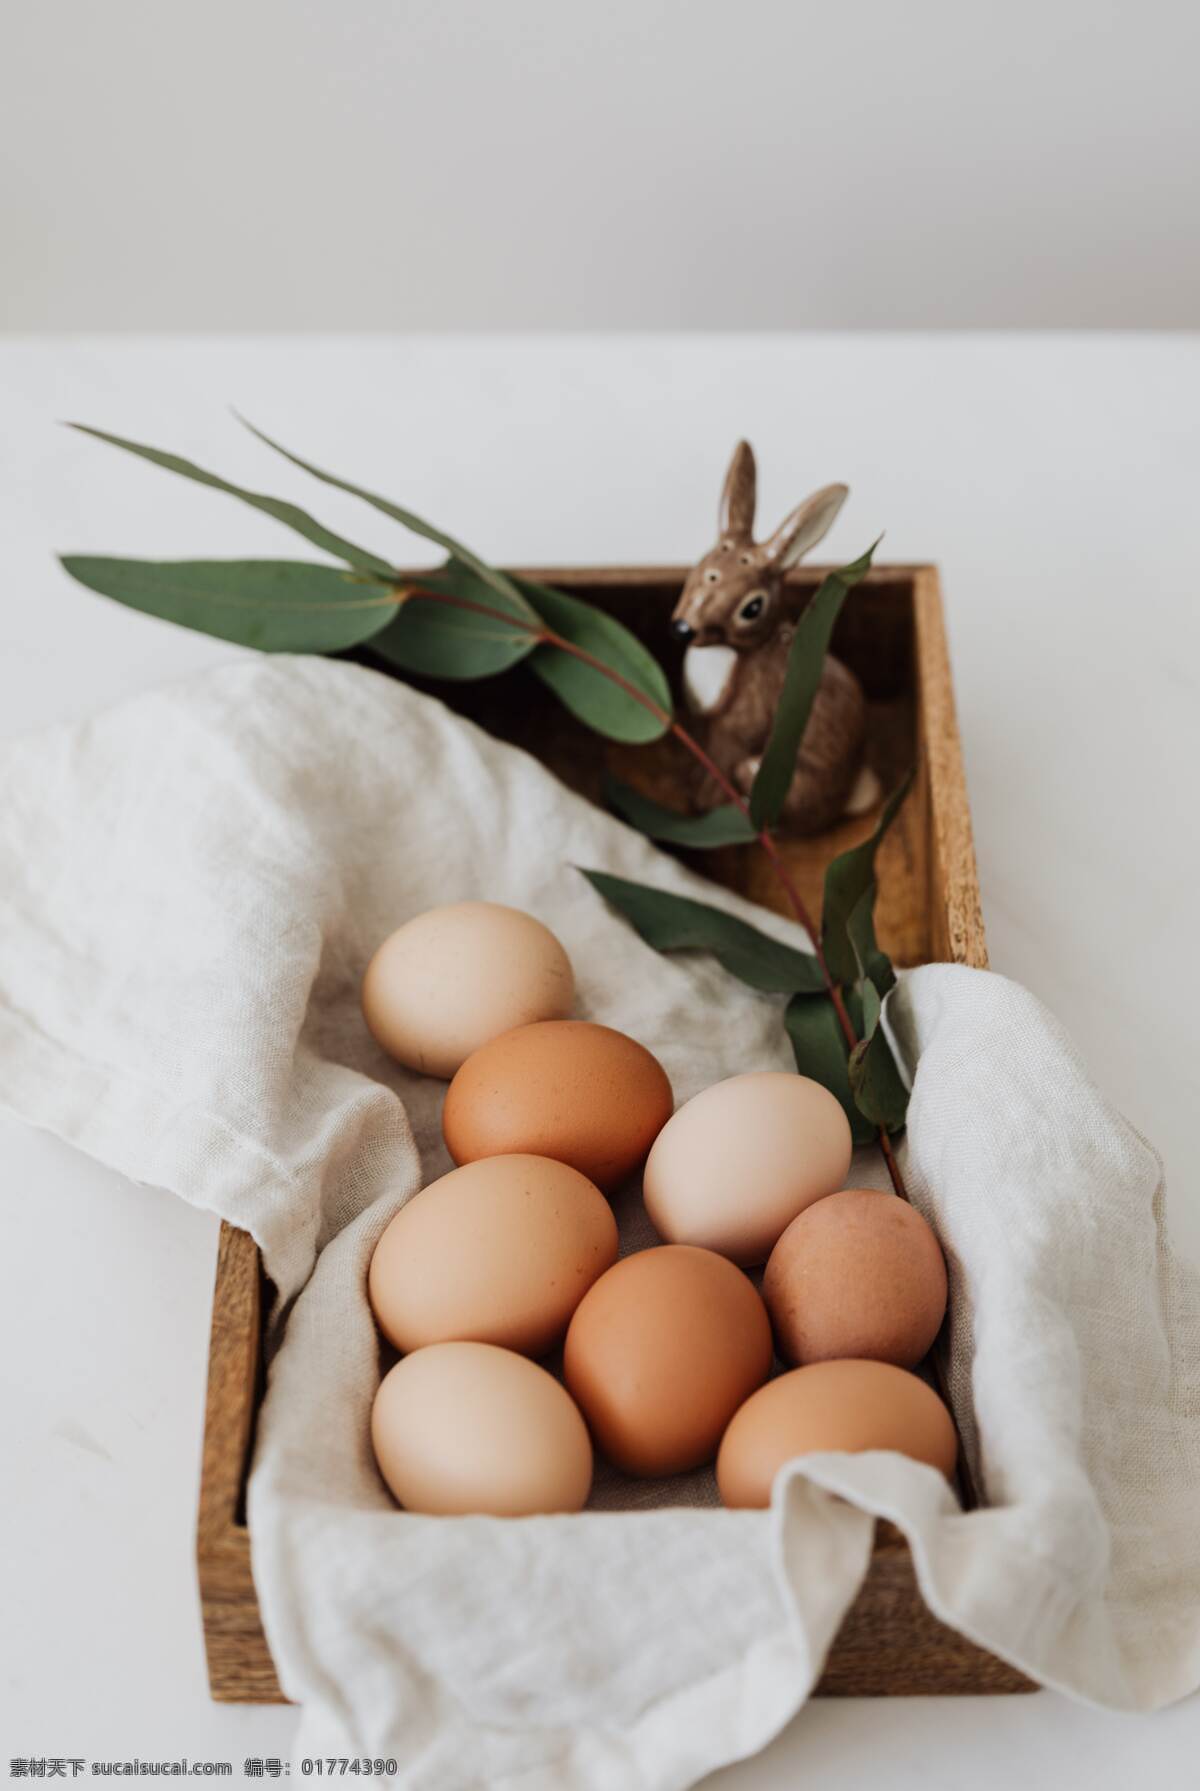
(891,633)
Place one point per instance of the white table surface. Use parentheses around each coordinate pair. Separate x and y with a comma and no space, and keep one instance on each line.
(1053,478)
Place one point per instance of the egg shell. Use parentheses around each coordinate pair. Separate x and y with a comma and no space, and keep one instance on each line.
(738,1161)
(501,1251)
(467,1427)
(568,1089)
(859,1273)
(845,1405)
(661,1352)
(454,977)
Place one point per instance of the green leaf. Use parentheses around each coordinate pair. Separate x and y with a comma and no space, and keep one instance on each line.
(499,581)
(805,661)
(279,606)
(583,688)
(725,826)
(289,514)
(873,964)
(673,923)
(440,640)
(879,1092)
(847,880)
(819,1047)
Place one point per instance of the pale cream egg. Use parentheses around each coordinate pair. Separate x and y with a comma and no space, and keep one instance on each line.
(456,976)
(467,1427)
(733,1167)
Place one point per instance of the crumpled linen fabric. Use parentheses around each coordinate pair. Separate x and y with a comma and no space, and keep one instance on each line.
(192,884)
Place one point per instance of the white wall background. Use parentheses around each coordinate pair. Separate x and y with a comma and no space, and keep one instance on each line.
(665,164)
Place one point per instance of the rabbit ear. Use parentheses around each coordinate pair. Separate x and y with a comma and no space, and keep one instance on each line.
(805,526)
(738,497)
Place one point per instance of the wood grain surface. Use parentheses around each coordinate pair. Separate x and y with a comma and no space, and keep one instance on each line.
(892,634)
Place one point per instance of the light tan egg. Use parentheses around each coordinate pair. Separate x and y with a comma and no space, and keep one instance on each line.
(454,977)
(584,1094)
(831,1406)
(501,1251)
(661,1352)
(859,1273)
(737,1163)
(467,1427)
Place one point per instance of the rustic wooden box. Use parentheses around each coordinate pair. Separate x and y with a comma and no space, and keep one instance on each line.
(892,634)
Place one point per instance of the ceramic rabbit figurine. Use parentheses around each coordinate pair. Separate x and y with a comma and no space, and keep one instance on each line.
(735,616)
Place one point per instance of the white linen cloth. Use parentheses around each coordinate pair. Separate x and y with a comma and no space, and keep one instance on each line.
(192,886)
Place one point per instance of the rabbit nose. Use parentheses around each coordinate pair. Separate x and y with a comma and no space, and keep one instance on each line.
(683,631)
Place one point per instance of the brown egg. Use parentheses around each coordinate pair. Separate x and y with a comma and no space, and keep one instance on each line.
(859,1273)
(501,1251)
(741,1159)
(831,1405)
(584,1094)
(456,976)
(467,1427)
(661,1352)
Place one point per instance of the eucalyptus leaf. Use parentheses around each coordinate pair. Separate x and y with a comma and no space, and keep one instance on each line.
(847,880)
(441,640)
(674,923)
(584,689)
(874,965)
(278,606)
(289,514)
(876,1083)
(819,1047)
(725,826)
(806,658)
(499,581)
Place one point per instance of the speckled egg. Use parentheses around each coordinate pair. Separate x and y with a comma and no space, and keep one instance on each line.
(583,1094)
(859,1273)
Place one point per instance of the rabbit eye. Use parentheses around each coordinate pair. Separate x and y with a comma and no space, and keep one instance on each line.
(712,575)
(753,607)
(747,559)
